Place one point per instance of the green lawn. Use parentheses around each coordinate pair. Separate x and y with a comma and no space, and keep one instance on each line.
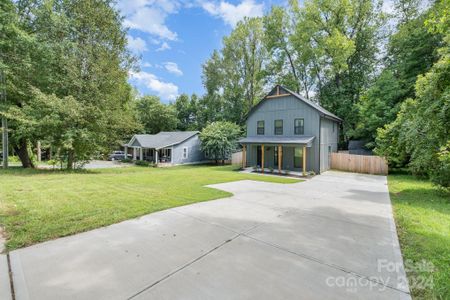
(422,214)
(38,205)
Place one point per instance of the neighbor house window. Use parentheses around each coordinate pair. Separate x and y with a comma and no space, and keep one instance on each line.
(260,128)
(185,152)
(278,127)
(299,127)
(298,157)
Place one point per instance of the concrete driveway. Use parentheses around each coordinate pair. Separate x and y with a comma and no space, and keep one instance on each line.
(332,237)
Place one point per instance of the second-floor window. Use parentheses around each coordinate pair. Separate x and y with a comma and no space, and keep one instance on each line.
(299,127)
(278,127)
(260,128)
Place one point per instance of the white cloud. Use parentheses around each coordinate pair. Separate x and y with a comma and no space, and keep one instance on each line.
(152,21)
(137,45)
(147,65)
(164,46)
(232,14)
(149,16)
(165,90)
(172,67)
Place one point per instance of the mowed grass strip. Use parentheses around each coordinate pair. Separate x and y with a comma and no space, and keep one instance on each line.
(39,205)
(422,215)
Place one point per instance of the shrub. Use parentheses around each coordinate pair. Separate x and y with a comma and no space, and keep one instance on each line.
(142,163)
(126,160)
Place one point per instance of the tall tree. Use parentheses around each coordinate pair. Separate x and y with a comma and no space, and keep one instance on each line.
(344,38)
(422,127)
(234,77)
(80,53)
(412,50)
(155,116)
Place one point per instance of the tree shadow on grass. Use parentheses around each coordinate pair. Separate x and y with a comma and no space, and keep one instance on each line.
(19,171)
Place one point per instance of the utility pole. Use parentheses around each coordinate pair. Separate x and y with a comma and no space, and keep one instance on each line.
(4,120)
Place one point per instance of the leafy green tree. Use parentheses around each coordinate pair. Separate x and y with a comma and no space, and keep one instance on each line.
(79,51)
(343,37)
(219,140)
(411,52)
(234,77)
(155,116)
(422,128)
(186,109)
(289,63)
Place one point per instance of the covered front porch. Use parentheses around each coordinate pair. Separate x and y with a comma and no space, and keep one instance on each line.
(157,156)
(278,154)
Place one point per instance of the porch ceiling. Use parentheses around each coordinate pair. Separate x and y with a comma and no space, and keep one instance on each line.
(282,140)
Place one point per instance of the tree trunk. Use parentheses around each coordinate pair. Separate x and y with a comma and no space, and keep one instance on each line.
(70,159)
(22,151)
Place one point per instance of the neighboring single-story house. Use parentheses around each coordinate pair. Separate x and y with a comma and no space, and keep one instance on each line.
(176,147)
(285,131)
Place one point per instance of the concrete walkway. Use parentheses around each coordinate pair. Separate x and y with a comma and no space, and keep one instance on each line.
(330,237)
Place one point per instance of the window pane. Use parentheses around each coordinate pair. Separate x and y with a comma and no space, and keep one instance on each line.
(298,126)
(298,157)
(278,127)
(260,128)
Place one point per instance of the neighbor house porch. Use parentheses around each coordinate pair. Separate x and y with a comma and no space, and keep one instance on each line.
(278,153)
(163,155)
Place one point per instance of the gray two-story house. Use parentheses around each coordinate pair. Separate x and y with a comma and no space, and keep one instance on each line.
(285,131)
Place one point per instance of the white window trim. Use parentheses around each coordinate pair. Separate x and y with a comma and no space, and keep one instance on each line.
(187,152)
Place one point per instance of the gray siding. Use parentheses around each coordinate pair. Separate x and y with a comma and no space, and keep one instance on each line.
(328,138)
(287,109)
(194,152)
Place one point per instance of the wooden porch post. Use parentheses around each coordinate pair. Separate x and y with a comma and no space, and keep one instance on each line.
(304,160)
(126,152)
(141,154)
(262,158)
(244,156)
(156,156)
(134,153)
(280,157)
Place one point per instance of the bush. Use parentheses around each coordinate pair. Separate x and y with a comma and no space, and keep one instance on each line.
(441,174)
(142,163)
(126,160)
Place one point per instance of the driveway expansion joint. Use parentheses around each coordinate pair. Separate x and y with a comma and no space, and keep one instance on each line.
(183,267)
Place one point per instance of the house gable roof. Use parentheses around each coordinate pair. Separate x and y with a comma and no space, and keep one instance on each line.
(279,91)
(162,139)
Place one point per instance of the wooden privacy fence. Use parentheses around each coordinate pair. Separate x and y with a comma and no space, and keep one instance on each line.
(359,163)
(236,158)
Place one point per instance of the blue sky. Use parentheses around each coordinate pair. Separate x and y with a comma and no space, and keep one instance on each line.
(174,38)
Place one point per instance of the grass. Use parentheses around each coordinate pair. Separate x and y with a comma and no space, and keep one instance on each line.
(422,214)
(39,205)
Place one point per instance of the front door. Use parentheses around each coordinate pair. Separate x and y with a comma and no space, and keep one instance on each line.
(258,156)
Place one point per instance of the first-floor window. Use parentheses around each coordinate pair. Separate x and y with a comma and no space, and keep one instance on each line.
(298,157)
(185,152)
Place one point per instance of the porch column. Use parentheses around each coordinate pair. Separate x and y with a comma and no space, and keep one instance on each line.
(134,153)
(304,160)
(141,152)
(280,157)
(156,156)
(125,150)
(262,158)
(244,156)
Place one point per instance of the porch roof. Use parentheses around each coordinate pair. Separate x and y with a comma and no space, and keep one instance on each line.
(277,140)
